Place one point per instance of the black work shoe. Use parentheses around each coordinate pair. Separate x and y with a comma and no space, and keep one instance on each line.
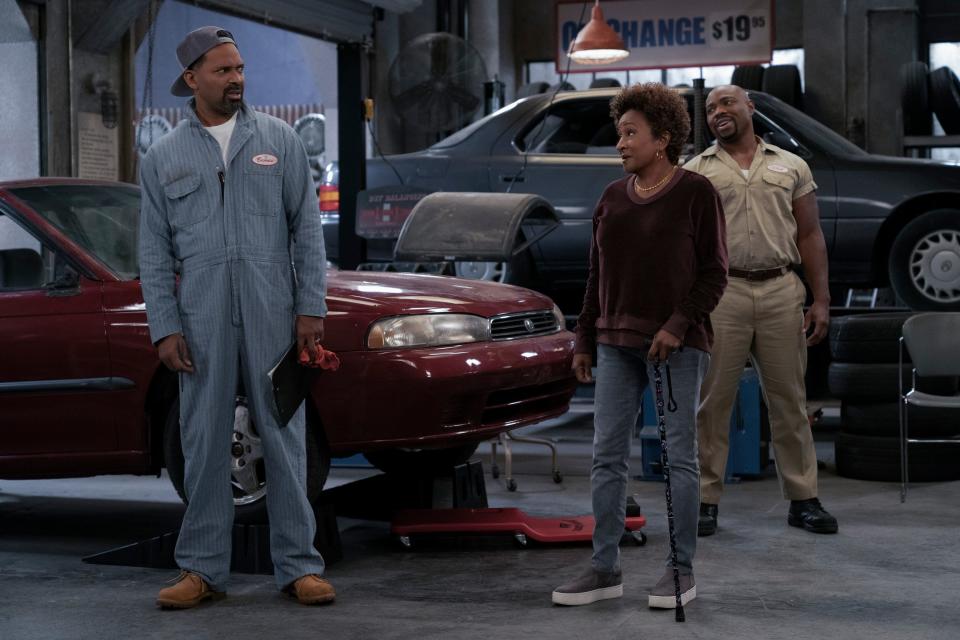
(811,515)
(707,523)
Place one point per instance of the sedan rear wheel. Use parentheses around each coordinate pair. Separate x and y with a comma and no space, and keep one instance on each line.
(491,271)
(925,262)
(517,271)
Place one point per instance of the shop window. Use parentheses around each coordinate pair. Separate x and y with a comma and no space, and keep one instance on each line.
(545,71)
(944,54)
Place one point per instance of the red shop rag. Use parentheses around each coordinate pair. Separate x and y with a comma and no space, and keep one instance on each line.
(326,360)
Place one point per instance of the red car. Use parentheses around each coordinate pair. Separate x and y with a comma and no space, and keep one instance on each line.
(431,365)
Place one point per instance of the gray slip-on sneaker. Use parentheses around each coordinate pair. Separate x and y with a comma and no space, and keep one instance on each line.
(664,595)
(590,587)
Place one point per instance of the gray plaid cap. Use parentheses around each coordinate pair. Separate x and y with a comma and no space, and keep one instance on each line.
(197,43)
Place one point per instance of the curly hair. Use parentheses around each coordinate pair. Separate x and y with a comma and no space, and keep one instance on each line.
(664,109)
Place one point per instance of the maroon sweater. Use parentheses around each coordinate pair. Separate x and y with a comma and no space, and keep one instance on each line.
(655,263)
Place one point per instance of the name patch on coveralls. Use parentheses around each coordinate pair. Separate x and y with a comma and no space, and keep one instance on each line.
(265,159)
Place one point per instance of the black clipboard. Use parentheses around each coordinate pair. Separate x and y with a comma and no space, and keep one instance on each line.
(291,382)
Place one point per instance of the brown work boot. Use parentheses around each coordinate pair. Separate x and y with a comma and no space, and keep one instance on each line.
(311,589)
(189,591)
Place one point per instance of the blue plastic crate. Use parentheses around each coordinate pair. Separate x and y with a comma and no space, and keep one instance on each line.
(749,446)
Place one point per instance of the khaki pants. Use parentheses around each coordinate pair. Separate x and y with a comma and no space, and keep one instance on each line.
(762,321)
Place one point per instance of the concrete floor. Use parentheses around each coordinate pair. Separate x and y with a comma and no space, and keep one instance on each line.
(893,571)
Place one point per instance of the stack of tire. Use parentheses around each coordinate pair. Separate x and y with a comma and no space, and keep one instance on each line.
(923,93)
(863,374)
(779,80)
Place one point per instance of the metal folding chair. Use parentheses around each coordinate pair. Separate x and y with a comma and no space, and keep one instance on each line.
(933,342)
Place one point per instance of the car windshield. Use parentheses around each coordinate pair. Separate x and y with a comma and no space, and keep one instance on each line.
(794,120)
(102,219)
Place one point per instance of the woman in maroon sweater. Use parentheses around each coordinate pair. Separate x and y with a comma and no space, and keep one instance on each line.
(658,266)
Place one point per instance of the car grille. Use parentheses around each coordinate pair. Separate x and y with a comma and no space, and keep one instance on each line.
(526,404)
(522,325)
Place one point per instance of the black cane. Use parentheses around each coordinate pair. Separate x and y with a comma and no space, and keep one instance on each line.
(662,431)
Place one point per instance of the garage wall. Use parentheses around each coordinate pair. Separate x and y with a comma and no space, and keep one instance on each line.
(19,108)
(854,51)
(392,34)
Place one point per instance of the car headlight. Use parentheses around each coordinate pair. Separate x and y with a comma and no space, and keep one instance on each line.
(561,321)
(434,329)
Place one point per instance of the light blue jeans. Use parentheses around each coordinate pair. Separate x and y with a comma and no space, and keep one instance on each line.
(622,375)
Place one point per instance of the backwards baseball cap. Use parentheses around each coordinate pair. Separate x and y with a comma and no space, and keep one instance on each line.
(197,43)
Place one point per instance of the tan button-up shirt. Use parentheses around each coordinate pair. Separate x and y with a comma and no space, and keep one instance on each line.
(761,228)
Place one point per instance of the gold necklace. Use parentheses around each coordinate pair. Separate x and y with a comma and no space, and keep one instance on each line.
(640,190)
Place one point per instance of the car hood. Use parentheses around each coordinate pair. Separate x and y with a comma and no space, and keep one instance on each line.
(894,180)
(379,294)
(941,168)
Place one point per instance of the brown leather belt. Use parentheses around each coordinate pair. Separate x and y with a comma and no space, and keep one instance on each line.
(758,275)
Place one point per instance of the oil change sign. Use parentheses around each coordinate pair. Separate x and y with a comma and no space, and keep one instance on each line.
(667,33)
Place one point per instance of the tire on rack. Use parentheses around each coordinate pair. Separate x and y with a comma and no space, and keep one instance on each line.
(531,89)
(868,338)
(783,81)
(420,462)
(883,419)
(748,77)
(876,458)
(878,381)
(945,99)
(924,263)
(602,83)
(915,99)
(557,87)
(250,503)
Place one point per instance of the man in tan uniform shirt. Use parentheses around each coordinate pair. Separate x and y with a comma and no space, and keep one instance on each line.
(772,223)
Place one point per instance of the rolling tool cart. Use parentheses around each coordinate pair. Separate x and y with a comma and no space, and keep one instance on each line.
(504,439)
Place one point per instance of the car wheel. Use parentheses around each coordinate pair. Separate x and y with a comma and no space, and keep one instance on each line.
(868,338)
(248,476)
(945,99)
(876,458)
(783,81)
(531,89)
(420,461)
(601,83)
(915,100)
(883,419)
(518,270)
(878,381)
(748,77)
(924,262)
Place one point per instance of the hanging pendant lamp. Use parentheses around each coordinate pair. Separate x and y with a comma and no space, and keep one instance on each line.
(598,43)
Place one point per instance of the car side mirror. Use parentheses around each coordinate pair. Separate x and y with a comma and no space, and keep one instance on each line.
(786,142)
(780,139)
(65,284)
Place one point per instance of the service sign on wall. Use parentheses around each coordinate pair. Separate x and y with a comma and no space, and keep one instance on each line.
(668,33)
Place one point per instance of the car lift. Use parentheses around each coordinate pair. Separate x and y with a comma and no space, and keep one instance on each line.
(409,503)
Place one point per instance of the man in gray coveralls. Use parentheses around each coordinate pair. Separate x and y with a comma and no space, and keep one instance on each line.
(225,193)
